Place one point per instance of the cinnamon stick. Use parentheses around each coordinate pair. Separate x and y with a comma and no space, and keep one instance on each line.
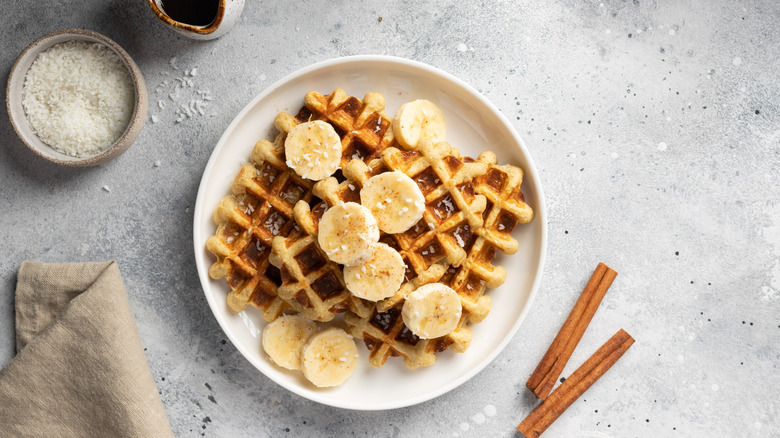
(550,367)
(546,413)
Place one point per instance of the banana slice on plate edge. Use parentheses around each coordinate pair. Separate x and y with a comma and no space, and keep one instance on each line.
(284,338)
(329,358)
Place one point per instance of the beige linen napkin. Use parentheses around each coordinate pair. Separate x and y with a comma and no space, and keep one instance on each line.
(80,370)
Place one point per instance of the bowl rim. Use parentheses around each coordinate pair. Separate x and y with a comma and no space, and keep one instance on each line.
(134,125)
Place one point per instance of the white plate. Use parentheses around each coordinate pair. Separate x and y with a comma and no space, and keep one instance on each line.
(473,125)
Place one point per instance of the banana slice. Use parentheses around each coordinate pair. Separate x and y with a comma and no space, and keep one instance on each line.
(395,200)
(347,233)
(284,339)
(416,120)
(377,278)
(313,150)
(329,358)
(432,311)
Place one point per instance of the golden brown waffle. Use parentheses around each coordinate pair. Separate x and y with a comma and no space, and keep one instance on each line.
(385,335)
(453,208)
(472,274)
(260,208)
(384,332)
(265,192)
(506,208)
(310,283)
(364,128)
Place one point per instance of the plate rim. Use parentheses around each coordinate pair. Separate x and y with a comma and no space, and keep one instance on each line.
(540,214)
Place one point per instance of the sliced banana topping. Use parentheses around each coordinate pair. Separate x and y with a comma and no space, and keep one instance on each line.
(416,120)
(347,233)
(395,200)
(377,278)
(329,358)
(432,311)
(313,150)
(284,339)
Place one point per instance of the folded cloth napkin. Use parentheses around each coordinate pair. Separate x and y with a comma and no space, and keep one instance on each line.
(80,369)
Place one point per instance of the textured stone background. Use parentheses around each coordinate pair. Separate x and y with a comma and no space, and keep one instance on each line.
(655,126)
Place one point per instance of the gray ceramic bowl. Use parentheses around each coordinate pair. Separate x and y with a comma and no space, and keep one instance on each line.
(13,99)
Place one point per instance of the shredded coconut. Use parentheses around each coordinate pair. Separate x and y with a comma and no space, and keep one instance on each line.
(273,223)
(447,204)
(190,101)
(460,240)
(78,97)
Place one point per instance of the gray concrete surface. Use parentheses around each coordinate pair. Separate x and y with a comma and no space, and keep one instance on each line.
(655,126)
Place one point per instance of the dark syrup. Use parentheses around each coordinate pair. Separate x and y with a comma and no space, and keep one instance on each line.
(194,12)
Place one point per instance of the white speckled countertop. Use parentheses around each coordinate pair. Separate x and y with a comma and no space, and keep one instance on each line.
(655,127)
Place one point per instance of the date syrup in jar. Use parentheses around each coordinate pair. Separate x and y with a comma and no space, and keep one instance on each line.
(193,12)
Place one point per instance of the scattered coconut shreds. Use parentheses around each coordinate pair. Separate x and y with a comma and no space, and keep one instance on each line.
(190,100)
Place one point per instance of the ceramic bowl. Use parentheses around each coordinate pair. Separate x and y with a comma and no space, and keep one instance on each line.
(19,120)
(228,12)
